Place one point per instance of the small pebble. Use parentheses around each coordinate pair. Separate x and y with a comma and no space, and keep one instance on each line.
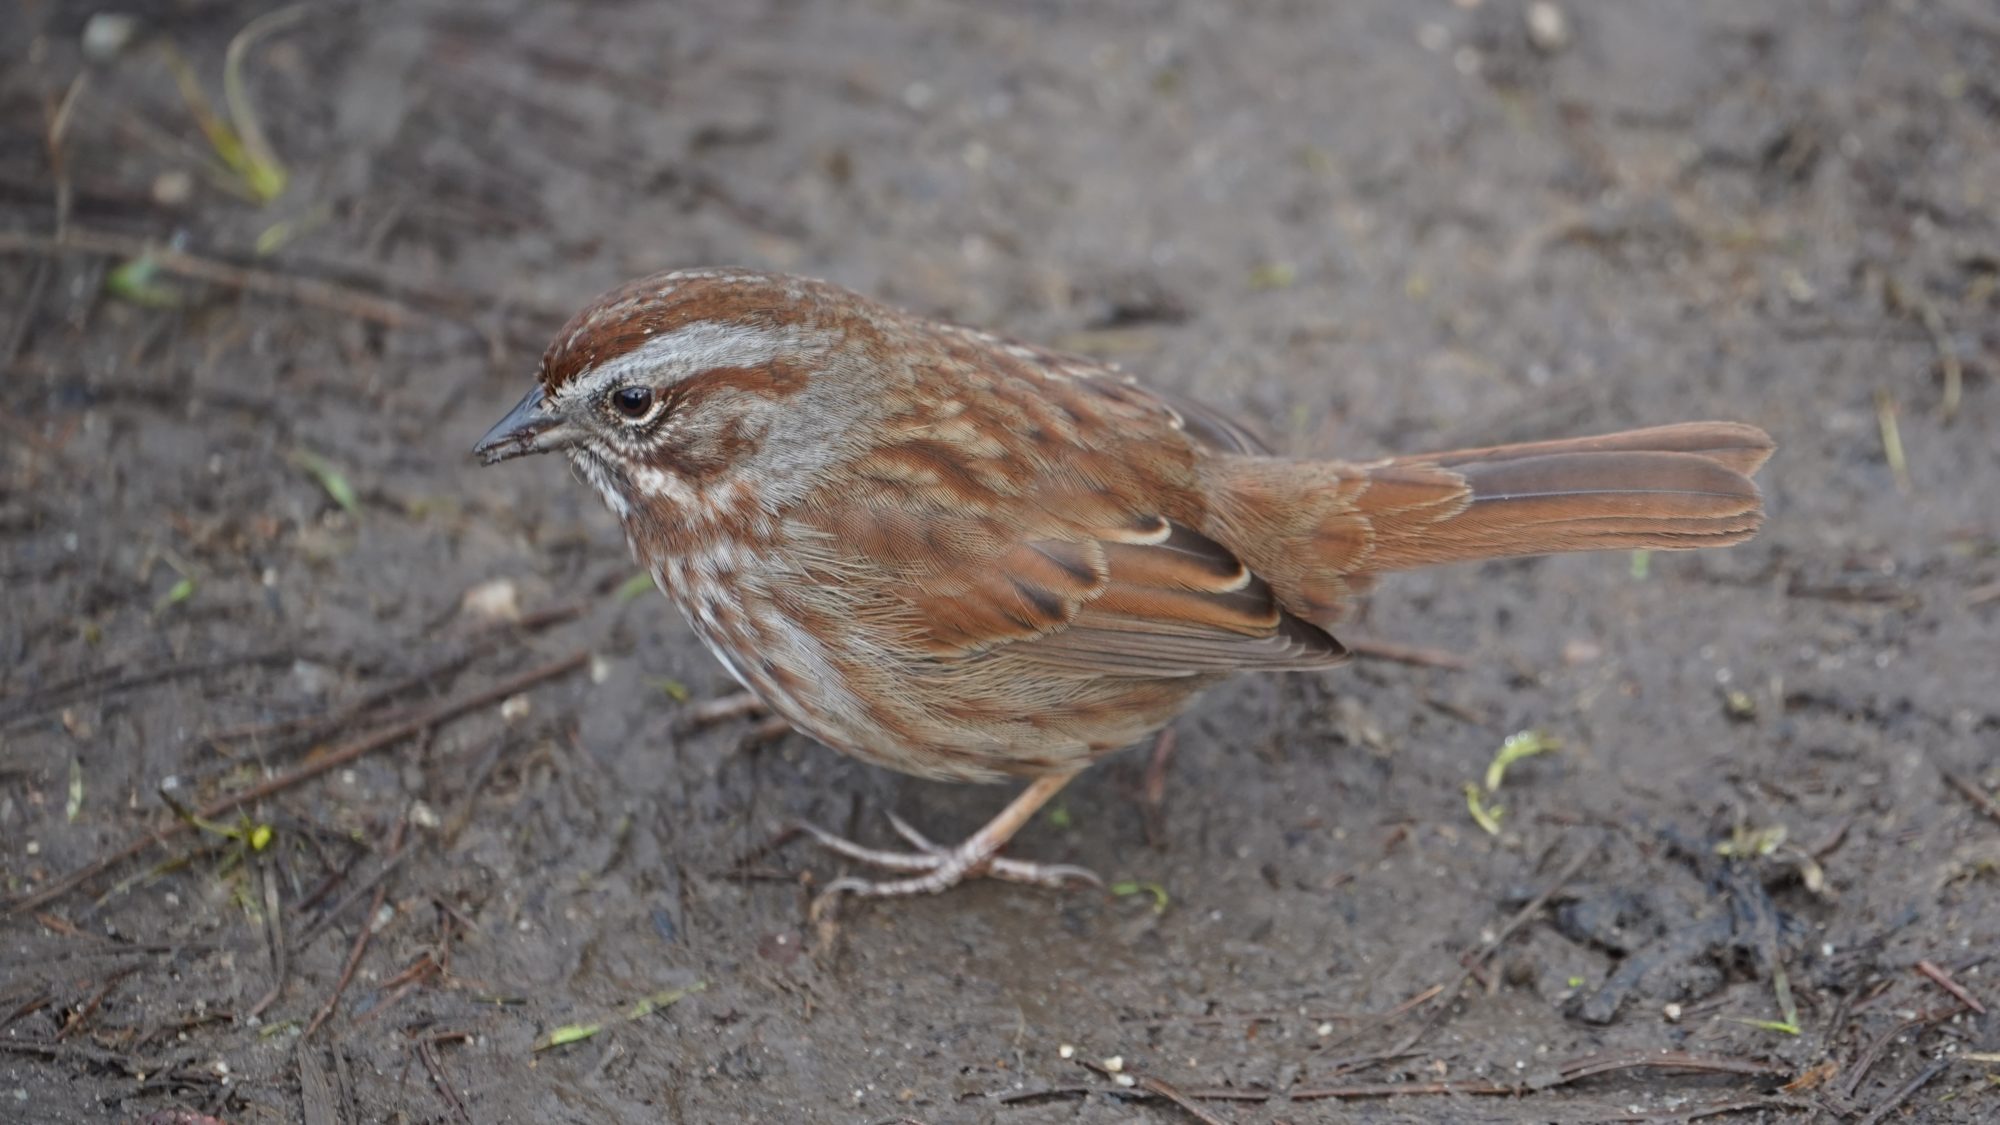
(1548,27)
(173,188)
(498,600)
(107,33)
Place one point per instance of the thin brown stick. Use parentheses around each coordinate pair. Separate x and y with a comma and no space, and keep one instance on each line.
(361,941)
(1943,980)
(436,716)
(1401,1089)
(83,1014)
(1377,1021)
(1166,1090)
(320,924)
(313,292)
(428,1054)
(1905,1092)
(479,645)
(1870,1055)
(1972,792)
(1575,1070)
(107,681)
(1526,913)
(1419,655)
(1748,1105)
(1157,1087)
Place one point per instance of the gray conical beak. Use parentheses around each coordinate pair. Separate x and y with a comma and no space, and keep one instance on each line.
(531,427)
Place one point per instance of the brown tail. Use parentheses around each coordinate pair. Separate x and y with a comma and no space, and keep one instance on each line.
(1667,487)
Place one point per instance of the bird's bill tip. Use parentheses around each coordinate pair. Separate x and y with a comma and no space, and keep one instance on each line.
(531,427)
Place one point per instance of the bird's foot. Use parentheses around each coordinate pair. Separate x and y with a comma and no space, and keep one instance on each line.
(935,868)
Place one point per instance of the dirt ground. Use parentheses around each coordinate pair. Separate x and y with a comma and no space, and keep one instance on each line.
(241,535)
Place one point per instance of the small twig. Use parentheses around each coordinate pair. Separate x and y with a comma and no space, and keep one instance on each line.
(361,941)
(1166,1090)
(274,933)
(461,810)
(1526,913)
(427,1053)
(450,665)
(1972,792)
(1373,1022)
(373,882)
(1870,1055)
(1418,655)
(303,290)
(1943,980)
(1157,1087)
(107,681)
(1904,1092)
(1573,1071)
(76,1019)
(436,716)
(1404,1089)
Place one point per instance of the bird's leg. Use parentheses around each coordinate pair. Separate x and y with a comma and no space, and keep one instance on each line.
(944,867)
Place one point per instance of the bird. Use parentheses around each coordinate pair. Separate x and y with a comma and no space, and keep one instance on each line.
(970,558)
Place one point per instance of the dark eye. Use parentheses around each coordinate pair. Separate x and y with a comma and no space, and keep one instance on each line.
(632,402)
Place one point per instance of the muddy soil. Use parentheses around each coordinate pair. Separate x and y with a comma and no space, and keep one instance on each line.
(240,536)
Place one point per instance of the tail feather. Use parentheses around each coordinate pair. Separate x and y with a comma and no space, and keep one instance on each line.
(1734,445)
(1666,488)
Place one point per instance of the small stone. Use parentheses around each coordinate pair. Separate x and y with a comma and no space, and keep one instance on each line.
(1672,1012)
(1115,1063)
(173,188)
(1580,651)
(515,708)
(107,33)
(498,600)
(1548,27)
(1066,1051)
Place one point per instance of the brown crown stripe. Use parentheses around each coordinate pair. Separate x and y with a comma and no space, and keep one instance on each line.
(628,316)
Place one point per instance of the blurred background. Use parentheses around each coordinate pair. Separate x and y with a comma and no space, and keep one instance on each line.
(342,780)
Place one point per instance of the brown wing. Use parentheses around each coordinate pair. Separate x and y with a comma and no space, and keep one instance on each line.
(1177,603)
(1019,516)
(1140,597)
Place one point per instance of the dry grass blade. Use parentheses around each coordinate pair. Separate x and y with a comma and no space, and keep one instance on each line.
(265,171)
(303,290)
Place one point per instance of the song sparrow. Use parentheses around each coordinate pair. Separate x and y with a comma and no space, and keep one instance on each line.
(963,557)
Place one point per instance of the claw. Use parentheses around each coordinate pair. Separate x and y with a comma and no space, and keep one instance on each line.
(933,868)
